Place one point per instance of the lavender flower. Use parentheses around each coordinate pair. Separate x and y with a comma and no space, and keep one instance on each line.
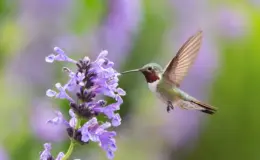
(46,153)
(91,80)
(60,56)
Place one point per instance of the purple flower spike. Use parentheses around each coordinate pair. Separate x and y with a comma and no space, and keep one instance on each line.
(121,92)
(119,100)
(61,56)
(88,130)
(60,156)
(58,120)
(108,143)
(102,55)
(89,81)
(110,109)
(59,51)
(46,153)
(51,93)
(76,79)
(50,58)
(61,95)
(73,120)
(116,120)
(91,131)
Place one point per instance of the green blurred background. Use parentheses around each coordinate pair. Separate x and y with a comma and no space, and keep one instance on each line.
(135,32)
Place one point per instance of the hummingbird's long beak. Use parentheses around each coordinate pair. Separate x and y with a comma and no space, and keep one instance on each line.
(134,70)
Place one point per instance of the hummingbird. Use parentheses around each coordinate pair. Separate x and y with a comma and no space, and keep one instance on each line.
(165,83)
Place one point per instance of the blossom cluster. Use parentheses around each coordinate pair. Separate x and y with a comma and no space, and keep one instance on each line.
(86,86)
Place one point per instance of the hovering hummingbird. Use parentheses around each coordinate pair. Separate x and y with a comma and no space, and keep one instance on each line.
(165,83)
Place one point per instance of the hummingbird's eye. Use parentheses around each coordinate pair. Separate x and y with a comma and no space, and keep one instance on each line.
(149,68)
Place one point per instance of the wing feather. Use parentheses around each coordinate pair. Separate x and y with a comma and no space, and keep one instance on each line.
(177,69)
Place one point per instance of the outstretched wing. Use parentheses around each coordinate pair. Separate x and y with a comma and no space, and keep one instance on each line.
(177,69)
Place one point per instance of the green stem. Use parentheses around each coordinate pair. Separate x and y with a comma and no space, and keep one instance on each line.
(72,143)
(69,151)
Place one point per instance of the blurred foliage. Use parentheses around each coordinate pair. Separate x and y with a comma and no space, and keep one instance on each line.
(143,52)
(233,132)
(88,15)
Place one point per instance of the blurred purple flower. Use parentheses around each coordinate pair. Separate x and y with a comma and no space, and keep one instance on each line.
(116,32)
(41,112)
(90,80)
(232,23)
(33,19)
(3,154)
(119,27)
(37,8)
(187,124)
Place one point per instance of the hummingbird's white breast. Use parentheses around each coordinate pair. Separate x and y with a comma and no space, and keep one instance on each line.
(153,86)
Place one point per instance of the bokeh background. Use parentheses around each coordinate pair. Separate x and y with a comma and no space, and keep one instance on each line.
(135,32)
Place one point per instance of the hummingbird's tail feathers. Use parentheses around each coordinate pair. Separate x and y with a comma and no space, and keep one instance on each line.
(195,105)
(205,108)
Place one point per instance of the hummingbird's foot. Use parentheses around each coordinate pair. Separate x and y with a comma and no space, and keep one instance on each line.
(169,106)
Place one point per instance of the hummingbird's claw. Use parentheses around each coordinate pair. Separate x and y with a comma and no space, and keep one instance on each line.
(168,109)
(169,106)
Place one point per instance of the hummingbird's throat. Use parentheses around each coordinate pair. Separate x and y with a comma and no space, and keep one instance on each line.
(151,77)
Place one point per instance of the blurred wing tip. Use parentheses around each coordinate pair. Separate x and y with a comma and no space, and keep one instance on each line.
(199,36)
(199,32)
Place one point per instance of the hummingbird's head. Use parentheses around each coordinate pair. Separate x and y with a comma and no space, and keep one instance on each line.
(152,72)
